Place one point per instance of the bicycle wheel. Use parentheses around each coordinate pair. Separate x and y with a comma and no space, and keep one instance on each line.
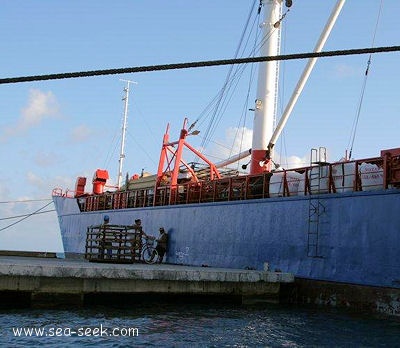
(147,254)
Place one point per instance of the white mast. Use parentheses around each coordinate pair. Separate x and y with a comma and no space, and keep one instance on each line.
(306,73)
(122,153)
(266,100)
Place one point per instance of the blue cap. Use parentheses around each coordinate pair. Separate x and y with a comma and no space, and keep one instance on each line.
(106,218)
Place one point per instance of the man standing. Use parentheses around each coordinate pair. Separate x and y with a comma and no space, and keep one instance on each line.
(138,228)
(162,243)
(136,242)
(105,242)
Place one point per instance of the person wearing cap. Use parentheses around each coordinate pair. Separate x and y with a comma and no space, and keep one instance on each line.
(161,247)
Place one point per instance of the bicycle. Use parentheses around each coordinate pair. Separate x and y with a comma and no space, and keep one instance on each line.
(149,252)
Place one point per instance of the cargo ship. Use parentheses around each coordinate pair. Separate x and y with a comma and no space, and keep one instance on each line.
(334,225)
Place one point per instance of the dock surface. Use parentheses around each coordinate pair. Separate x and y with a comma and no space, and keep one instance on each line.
(46,281)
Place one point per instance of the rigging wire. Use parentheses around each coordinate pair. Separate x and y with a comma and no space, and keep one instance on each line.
(222,95)
(112,150)
(217,107)
(18,216)
(214,156)
(283,155)
(363,88)
(26,216)
(142,148)
(242,125)
(282,69)
(255,49)
(132,137)
(235,76)
(227,92)
(26,201)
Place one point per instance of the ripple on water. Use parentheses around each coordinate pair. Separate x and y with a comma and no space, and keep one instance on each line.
(177,325)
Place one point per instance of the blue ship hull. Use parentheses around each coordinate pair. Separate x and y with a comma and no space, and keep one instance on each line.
(359,234)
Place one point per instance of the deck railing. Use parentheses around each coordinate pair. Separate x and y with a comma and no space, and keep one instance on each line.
(324,178)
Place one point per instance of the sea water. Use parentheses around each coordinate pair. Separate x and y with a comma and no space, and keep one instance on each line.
(196,325)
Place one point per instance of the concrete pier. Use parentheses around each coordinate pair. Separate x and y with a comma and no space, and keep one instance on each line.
(34,281)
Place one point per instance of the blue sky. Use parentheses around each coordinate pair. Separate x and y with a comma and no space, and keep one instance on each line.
(53,131)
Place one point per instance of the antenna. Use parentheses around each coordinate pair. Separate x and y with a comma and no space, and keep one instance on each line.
(122,153)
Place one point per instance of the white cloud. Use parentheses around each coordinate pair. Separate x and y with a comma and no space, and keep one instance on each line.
(293,161)
(236,141)
(45,159)
(344,70)
(35,180)
(65,183)
(4,191)
(44,185)
(242,138)
(81,133)
(40,105)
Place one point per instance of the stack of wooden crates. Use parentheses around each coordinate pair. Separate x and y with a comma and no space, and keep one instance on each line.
(113,243)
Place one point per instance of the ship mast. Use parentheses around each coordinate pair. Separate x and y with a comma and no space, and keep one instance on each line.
(306,73)
(266,99)
(267,89)
(122,152)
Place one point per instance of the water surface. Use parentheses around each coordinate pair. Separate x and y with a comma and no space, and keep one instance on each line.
(196,325)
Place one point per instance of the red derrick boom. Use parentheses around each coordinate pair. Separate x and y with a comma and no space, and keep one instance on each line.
(171,161)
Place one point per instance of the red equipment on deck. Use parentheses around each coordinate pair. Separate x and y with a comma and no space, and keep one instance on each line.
(99,181)
(80,186)
(171,160)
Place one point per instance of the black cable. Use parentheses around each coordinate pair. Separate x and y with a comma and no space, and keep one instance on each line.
(199,64)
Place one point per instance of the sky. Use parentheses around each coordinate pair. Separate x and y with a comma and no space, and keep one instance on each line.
(54,131)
